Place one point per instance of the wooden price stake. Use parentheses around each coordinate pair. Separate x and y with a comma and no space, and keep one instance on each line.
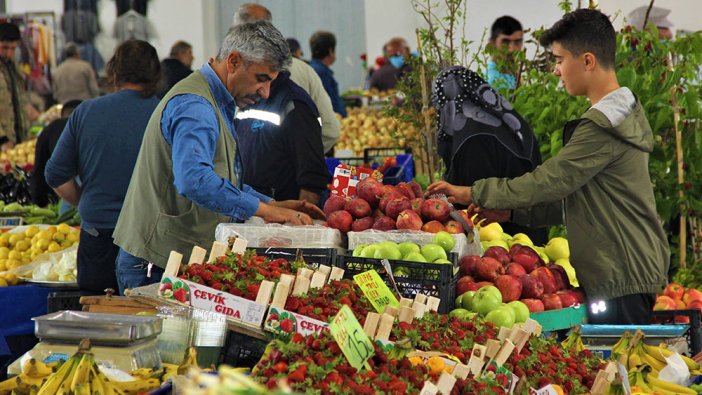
(264,292)
(446,383)
(281,295)
(324,269)
(429,389)
(336,274)
(419,309)
(237,245)
(318,280)
(173,265)
(407,314)
(197,255)
(393,311)
(461,371)
(504,352)
(532,326)
(433,303)
(477,359)
(421,298)
(503,333)
(385,327)
(492,347)
(218,249)
(302,285)
(371,324)
(304,272)
(519,337)
(287,279)
(406,302)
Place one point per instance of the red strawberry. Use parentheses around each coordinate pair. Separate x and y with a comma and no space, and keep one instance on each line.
(298,375)
(297,338)
(180,295)
(281,367)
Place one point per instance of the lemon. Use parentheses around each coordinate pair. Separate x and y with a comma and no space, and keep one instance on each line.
(22,245)
(51,229)
(64,228)
(11,279)
(53,247)
(32,231)
(43,244)
(3,252)
(14,254)
(15,238)
(26,260)
(73,236)
(3,266)
(13,263)
(66,243)
(59,237)
(3,283)
(45,235)
(5,239)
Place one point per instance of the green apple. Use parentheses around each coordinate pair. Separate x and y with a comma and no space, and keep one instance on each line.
(491,289)
(484,301)
(461,313)
(369,251)
(521,311)
(445,240)
(467,300)
(414,257)
(359,249)
(443,261)
(387,251)
(502,316)
(433,252)
(400,271)
(389,243)
(407,247)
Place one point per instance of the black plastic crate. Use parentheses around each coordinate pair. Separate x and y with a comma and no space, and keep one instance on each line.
(431,279)
(313,256)
(66,300)
(693,334)
(242,351)
(376,156)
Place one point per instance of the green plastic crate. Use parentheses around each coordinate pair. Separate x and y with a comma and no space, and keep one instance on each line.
(555,320)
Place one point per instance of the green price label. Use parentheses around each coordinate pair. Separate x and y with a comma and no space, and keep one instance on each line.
(351,338)
(376,290)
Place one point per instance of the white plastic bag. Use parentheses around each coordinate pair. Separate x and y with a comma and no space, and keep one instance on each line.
(675,371)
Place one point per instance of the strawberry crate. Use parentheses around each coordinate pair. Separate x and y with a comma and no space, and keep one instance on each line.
(431,279)
(313,257)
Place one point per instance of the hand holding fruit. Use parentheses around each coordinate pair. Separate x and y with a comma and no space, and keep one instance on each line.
(302,206)
(280,215)
(455,193)
(489,215)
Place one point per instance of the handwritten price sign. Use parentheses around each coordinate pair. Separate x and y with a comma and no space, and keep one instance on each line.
(376,290)
(351,338)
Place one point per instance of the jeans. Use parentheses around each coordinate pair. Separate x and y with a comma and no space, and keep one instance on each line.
(96,261)
(132,271)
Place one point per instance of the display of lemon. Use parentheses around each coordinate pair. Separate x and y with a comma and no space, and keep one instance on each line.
(54,247)
(45,235)
(32,231)
(13,263)
(23,245)
(63,228)
(4,251)
(15,237)
(5,239)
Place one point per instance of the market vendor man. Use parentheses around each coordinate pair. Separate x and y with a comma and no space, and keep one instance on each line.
(187,178)
(599,180)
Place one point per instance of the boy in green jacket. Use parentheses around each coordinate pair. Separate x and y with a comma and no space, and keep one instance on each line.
(599,181)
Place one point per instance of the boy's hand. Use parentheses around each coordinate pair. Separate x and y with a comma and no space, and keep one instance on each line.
(488,215)
(456,194)
(302,206)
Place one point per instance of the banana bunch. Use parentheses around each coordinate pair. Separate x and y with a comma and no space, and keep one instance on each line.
(642,381)
(620,351)
(189,361)
(163,374)
(33,375)
(574,341)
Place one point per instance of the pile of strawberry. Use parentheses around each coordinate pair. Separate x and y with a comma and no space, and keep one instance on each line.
(541,361)
(316,363)
(324,303)
(240,275)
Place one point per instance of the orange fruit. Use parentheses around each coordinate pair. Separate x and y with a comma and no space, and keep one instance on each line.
(558,389)
(436,365)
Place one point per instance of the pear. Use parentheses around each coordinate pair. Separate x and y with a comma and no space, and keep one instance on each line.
(521,238)
(507,237)
(497,242)
(557,248)
(491,232)
(570,271)
(542,253)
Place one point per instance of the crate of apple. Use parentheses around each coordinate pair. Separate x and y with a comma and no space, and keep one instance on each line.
(677,297)
(520,274)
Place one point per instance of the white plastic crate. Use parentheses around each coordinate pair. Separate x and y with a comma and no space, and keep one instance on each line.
(276,235)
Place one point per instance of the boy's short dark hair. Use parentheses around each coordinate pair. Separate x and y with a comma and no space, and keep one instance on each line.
(293,44)
(178,47)
(504,25)
(9,32)
(584,30)
(135,62)
(321,44)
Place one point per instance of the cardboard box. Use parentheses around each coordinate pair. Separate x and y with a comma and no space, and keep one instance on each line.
(202,297)
(346,177)
(284,321)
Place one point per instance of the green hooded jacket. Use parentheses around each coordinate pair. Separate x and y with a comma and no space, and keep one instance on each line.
(599,183)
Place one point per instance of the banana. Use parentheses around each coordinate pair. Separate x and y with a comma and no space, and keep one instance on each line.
(190,360)
(53,382)
(634,361)
(659,384)
(25,383)
(82,388)
(82,371)
(137,386)
(639,381)
(661,353)
(8,385)
(65,386)
(142,373)
(653,362)
(36,369)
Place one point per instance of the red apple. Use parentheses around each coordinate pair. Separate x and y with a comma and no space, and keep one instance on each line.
(340,220)
(515,269)
(690,295)
(674,291)
(531,287)
(334,203)
(534,305)
(454,227)
(488,269)
(416,188)
(464,283)
(468,263)
(370,190)
(695,304)
(509,286)
(384,224)
(498,253)
(435,209)
(546,277)
(552,302)
(358,208)
(664,303)
(514,249)
(561,277)
(377,213)
(409,219)
(396,206)
(416,204)
(433,227)
(568,298)
(528,258)
(387,198)
(362,224)
(405,190)
(679,304)
(579,294)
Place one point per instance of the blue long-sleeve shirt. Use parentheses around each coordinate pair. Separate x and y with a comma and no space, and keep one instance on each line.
(100,144)
(190,126)
(330,85)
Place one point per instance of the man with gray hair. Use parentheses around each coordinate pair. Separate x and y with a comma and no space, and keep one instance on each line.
(302,74)
(187,178)
(74,79)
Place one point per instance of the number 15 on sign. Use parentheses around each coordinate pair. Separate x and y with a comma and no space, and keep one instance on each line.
(351,338)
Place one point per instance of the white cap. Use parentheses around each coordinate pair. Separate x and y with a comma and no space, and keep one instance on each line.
(658,16)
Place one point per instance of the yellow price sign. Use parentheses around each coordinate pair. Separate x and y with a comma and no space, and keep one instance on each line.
(351,338)
(376,290)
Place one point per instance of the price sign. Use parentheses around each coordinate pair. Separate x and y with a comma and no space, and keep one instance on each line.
(351,338)
(376,290)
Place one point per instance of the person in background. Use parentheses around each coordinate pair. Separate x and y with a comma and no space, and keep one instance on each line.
(302,74)
(396,53)
(12,94)
(41,193)
(100,145)
(657,17)
(599,181)
(188,177)
(74,79)
(295,49)
(177,66)
(323,45)
(506,37)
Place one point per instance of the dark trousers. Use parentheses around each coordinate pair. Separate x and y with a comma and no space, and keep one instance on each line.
(96,261)
(635,309)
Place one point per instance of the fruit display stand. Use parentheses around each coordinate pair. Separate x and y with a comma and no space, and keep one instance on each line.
(601,338)
(463,245)
(260,235)
(692,320)
(564,318)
